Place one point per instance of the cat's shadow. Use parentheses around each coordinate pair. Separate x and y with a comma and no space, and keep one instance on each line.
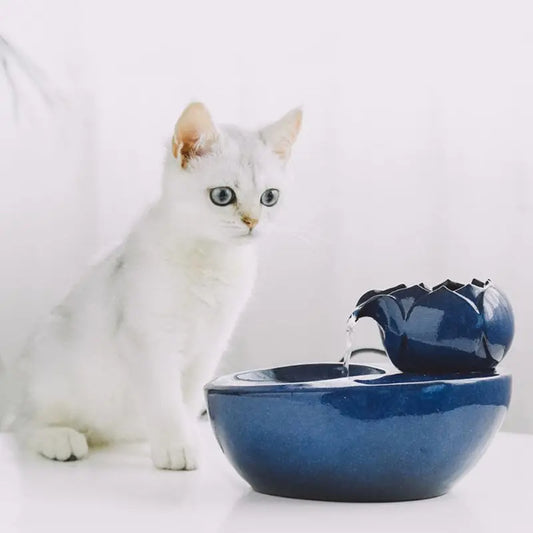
(122,474)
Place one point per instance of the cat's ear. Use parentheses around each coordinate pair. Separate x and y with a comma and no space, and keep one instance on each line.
(194,134)
(280,135)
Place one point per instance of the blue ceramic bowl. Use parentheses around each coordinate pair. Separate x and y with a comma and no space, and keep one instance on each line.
(306,432)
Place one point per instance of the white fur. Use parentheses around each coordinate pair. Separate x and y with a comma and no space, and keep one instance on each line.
(126,354)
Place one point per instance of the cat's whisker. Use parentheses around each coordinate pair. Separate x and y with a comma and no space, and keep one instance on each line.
(304,234)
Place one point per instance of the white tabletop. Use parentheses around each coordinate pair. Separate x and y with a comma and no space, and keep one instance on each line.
(117,489)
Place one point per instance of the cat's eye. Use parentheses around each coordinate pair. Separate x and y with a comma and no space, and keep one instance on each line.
(222,195)
(270,197)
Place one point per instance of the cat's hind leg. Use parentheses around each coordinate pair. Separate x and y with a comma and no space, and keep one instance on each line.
(58,443)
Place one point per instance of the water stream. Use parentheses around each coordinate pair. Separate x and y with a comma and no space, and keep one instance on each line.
(350,326)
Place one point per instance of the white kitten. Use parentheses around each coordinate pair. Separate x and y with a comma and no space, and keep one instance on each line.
(126,354)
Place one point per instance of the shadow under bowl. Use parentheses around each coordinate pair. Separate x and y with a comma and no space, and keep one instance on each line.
(305,431)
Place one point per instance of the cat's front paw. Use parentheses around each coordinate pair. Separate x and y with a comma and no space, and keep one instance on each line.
(174,454)
(59,443)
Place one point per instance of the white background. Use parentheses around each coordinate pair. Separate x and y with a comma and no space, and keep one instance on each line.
(414,164)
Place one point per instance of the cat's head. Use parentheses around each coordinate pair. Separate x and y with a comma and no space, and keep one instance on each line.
(223,182)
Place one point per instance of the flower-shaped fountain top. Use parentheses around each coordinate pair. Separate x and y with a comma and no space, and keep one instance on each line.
(452,327)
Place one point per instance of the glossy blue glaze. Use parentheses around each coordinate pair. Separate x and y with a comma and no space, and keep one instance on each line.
(305,432)
(450,328)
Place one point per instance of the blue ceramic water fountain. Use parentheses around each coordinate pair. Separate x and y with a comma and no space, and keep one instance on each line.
(451,328)
(311,431)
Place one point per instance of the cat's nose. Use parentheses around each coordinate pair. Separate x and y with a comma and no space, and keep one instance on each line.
(249,221)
